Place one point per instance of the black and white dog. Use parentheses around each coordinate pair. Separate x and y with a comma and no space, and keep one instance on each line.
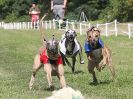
(70,47)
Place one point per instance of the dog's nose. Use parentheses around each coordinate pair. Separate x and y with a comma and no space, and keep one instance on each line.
(71,35)
(94,40)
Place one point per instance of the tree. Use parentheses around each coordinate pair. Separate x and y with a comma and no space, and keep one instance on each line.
(118,9)
(12,10)
(108,10)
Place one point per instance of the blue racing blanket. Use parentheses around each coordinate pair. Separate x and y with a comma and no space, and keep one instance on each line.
(88,48)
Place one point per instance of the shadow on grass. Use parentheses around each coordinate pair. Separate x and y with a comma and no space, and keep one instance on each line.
(76,72)
(100,83)
(53,88)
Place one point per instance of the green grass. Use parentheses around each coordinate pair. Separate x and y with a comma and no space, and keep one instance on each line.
(17,50)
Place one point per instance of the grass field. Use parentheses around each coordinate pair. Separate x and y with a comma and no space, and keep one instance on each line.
(17,50)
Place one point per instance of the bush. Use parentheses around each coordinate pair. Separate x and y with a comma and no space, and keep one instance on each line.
(13,18)
(118,9)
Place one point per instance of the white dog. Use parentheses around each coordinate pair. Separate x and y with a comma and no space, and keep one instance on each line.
(66,93)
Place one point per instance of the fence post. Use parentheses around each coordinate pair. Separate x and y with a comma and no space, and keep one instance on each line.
(116,28)
(89,25)
(3,24)
(43,24)
(67,25)
(97,25)
(20,26)
(23,25)
(80,28)
(50,24)
(46,25)
(38,24)
(54,24)
(59,25)
(73,26)
(106,29)
(29,25)
(14,26)
(129,31)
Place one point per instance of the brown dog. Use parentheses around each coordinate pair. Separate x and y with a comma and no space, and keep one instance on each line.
(98,54)
(48,56)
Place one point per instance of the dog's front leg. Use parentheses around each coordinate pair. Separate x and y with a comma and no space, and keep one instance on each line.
(61,75)
(104,60)
(73,63)
(63,58)
(36,67)
(48,69)
(91,66)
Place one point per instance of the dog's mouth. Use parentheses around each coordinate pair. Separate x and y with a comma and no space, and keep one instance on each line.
(71,38)
(93,43)
(53,53)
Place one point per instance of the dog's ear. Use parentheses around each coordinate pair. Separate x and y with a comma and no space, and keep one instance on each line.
(47,44)
(87,32)
(98,31)
(66,34)
(44,42)
(44,39)
(90,29)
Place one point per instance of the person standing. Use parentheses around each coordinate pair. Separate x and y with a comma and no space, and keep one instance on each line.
(34,12)
(58,7)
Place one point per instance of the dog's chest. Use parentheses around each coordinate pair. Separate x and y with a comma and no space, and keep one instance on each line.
(97,55)
(69,48)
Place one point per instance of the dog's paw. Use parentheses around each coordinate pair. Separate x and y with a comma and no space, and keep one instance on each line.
(30,87)
(102,65)
(51,88)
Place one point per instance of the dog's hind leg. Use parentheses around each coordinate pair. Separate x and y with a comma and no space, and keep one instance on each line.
(112,69)
(37,65)
(109,62)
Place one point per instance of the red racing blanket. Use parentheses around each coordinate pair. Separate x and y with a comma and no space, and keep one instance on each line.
(45,59)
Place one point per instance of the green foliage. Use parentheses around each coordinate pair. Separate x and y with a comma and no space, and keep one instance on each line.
(117,9)
(92,8)
(13,10)
(107,10)
(2,2)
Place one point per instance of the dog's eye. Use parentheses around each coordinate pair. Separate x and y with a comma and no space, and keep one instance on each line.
(48,43)
(96,36)
(55,42)
(89,36)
